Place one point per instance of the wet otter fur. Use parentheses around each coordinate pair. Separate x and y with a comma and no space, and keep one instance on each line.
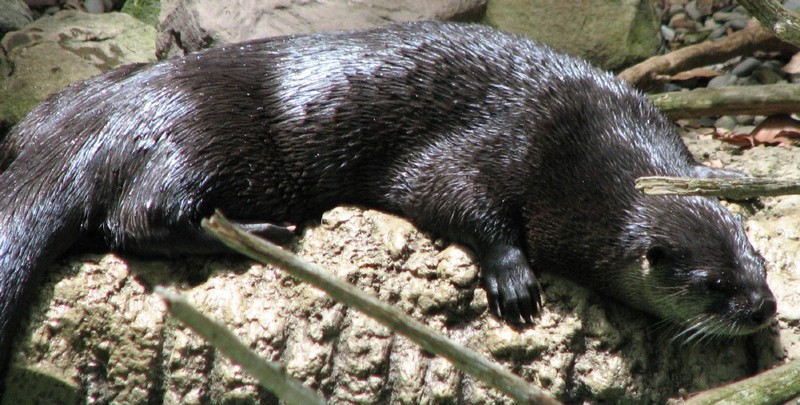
(525,155)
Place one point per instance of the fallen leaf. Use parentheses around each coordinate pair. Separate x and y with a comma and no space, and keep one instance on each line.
(793,67)
(780,130)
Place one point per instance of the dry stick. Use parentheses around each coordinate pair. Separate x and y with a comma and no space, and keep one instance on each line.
(753,38)
(771,14)
(776,386)
(731,188)
(464,359)
(271,375)
(751,100)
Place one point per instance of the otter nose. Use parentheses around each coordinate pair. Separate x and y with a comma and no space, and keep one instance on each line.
(764,307)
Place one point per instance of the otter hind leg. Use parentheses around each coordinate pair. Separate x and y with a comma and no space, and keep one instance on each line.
(191,238)
(281,235)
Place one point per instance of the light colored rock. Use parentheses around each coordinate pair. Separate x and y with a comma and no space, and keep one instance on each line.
(611,34)
(96,318)
(190,25)
(14,15)
(53,52)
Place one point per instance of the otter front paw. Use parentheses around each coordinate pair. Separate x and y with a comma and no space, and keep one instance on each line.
(513,290)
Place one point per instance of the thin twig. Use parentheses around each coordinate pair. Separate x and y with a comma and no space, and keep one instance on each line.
(464,359)
(271,375)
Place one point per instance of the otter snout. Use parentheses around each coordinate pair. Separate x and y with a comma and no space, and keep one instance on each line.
(762,306)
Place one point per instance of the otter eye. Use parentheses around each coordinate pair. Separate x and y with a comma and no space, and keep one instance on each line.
(717,286)
(656,255)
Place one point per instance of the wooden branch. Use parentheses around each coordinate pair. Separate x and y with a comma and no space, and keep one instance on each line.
(730,188)
(753,38)
(772,15)
(464,359)
(271,375)
(776,386)
(767,99)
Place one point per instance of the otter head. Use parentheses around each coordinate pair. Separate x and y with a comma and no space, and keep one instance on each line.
(697,268)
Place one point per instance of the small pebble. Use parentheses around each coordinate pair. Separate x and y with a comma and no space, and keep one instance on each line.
(725,80)
(692,11)
(718,32)
(744,129)
(726,122)
(775,65)
(668,33)
(746,81)
(680,20)
(723,16)
(737,23)
(675,9)
(766,76)
(746,67)
(710,24)
(93,6)
(744,119)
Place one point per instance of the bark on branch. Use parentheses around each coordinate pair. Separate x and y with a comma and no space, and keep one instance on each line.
(771,14)
(753,38)
(751,100)
(730,188)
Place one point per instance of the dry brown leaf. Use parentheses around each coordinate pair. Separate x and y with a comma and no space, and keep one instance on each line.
(793,67)
(780,130)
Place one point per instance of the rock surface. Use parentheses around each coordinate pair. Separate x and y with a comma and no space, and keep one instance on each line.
(611,34)
(99,331)
(14,14)
(190,25)
(52,52)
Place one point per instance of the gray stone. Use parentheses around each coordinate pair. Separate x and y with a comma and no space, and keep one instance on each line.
(692,11)
(668,33)
(190,25)
(744,119)
(675,9)
(727,79)
(726,122)
(14,14)
(52,52)
(611,34)
(738,23)
(746,67)
(766,76)
(723,16)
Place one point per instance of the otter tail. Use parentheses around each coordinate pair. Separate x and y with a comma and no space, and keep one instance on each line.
(39,219)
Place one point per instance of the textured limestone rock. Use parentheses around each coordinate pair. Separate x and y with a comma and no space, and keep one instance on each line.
(190,25)
(14,14)
(611,34)
(98,333)
(52,52)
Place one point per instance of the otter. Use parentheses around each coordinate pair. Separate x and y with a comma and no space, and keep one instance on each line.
(525,155)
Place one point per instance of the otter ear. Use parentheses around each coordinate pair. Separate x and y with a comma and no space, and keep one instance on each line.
(656,254)
(707,172)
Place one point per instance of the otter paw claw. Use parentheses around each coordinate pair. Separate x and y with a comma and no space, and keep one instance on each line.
(514,292)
